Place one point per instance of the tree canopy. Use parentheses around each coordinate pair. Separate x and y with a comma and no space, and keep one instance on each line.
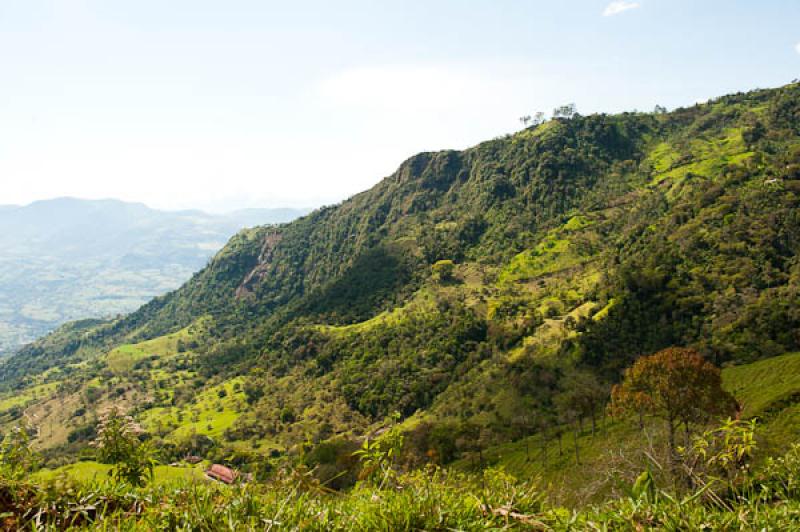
(677,385)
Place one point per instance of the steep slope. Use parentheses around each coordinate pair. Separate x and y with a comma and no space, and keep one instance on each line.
(612,456)
(576,246)
(66,258)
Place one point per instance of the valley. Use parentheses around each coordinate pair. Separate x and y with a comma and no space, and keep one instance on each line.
(69,259)
(469,315)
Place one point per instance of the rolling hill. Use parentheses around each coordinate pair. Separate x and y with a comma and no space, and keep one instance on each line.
(466,292)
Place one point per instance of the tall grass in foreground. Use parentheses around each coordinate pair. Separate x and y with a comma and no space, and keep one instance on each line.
(431,499)
(716,490)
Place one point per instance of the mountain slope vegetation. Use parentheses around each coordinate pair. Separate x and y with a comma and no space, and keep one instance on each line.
(469,292)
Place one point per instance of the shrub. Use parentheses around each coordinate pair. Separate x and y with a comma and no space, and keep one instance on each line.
(118,443)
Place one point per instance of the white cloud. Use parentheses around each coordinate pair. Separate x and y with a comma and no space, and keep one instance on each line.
(797,47)
(618,6)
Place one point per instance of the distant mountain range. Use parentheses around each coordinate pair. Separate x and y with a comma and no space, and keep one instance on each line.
(68,258)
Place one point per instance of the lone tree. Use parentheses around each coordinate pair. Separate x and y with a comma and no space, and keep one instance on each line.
(675,384)
(565,111)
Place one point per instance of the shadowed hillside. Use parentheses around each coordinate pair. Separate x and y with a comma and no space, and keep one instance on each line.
(469,292)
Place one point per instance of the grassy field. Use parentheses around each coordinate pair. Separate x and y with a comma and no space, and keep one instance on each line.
(707,157)
(96,472)
(21,398)
(212,412)
(770,391)
(123,358)
(763,384)
(550,256)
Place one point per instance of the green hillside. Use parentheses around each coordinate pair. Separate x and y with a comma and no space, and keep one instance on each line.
(768,391)
(470,292)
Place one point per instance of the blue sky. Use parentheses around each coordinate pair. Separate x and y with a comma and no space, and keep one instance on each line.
(221,105)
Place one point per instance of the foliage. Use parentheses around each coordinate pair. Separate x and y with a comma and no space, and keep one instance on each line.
(582,244)
(583,395)
(17,458)
(675,384)
(722,456)
(379,457)
(442,270)
(433,499)
(780,477)
(118,443)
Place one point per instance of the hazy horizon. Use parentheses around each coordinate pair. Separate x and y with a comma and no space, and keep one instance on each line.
(167,210)
(261,104)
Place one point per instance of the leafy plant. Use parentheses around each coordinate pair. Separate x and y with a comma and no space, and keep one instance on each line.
(17,458)
(118,443)
(379,456)
(721,458)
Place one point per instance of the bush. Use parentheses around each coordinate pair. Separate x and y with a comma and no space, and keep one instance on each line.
(442,270)
(118,443)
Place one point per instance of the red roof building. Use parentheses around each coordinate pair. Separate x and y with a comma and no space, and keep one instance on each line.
(222,473)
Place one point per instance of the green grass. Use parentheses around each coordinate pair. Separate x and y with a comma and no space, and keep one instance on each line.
(550,256)
(567,480)
(603,312)
(208,414)
(760,385)
(577,222)
(79,471)
(30,394)
(770,390)
(122,359)
(423,301)
(662,157)
(548,336)
(420,501)
(708,158)
(95,472)
(168,474)
(554,253)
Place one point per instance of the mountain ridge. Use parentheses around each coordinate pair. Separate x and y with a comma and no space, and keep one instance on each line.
(465,290)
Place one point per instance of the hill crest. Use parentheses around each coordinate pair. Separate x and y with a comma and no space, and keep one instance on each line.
(464,289)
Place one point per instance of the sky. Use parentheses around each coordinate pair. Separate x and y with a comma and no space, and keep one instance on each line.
(230,104)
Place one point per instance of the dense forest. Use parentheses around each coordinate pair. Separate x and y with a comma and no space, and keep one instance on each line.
(479,306)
